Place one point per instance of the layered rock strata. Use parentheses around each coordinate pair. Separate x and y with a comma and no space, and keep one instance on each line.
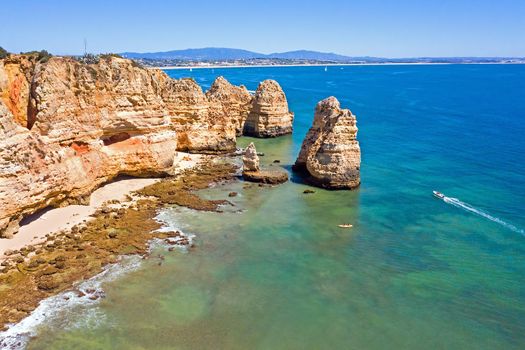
(330,156)
(233,101)
(67,127)
(269,115)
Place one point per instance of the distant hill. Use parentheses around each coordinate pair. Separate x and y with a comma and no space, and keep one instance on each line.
(218,53)
(204,54)
(309,55)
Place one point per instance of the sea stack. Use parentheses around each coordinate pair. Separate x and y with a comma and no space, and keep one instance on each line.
(252,172)
(67,127)
(330,156)
(233,101)
(269,115)
(250,159)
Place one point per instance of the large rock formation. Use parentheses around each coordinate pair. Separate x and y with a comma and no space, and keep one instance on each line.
(269,115)
(330,156)
(230,100)
(67,127)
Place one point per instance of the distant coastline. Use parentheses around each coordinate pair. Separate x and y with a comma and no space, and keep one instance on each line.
(328,65)
(220,57)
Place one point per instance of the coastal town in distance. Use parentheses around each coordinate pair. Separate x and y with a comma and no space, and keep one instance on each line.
(226,57)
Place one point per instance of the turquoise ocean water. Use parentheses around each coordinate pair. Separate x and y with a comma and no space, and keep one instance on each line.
(414,272)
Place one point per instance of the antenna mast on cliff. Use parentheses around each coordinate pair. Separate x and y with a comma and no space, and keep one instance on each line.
(85,47)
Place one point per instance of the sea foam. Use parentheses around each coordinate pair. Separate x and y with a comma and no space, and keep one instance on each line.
(56,308)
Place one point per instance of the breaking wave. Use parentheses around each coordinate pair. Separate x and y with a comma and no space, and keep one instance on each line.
(56,308)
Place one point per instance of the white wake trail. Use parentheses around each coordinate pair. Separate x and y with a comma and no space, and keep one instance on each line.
(457,203)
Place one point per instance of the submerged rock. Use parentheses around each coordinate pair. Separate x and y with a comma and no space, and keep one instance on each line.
(330,156)
(272,177)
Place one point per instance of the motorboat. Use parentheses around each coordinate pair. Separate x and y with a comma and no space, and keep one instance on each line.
(345,225)
(438,194)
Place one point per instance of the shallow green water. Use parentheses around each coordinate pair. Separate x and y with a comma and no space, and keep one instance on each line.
(413,272)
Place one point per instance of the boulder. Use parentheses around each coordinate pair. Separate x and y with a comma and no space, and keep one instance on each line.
(250,159)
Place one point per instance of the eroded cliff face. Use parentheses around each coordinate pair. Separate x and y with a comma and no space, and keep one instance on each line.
(15,89)
(67,127)
(269,115)
(233,101)
(36,172)
(330,156)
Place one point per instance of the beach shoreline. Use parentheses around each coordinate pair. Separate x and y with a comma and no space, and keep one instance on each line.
(121,220)
(55,220)
(330,65)
(36,227)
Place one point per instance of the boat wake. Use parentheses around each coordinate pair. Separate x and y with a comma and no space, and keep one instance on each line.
(465,206)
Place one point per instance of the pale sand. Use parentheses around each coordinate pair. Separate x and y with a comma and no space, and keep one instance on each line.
(333,64)
(65,218)
(306,65)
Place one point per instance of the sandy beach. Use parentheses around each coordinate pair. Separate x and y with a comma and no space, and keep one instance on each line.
(33,230)
(298,65)
(329,65)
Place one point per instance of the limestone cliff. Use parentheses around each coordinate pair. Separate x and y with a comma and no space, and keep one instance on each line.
(66,127)
(269,115)
(330,155)
(230,100)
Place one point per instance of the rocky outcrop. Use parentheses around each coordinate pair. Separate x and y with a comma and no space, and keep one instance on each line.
(17,75)
(251,170)
(269,115)
(250,159)
(230,100)
(67,127)
(330,156)
(36,172)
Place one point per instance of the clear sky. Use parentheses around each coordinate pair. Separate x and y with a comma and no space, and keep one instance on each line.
(388,28)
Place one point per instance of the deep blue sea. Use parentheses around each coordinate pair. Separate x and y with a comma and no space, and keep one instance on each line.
(414,272)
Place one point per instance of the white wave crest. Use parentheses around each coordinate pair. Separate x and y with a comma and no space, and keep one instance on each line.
(56,307)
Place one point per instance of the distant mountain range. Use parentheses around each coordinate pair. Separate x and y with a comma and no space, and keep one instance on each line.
(219,54)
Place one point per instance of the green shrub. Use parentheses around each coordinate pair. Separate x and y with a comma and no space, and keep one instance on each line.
(108,55)
(41,56)
(3,53)
(44,56)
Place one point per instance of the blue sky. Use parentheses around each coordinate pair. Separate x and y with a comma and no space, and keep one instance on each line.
(388,28)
